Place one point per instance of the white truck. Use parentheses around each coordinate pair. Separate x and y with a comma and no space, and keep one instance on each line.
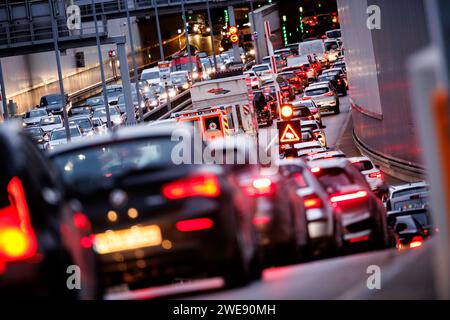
(233,95)
(313,48)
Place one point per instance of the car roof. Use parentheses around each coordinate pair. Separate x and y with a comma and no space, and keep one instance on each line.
(408,186)
(122,134)
(318,84)
(332,69)
(308,144)
(329,163)
(114,86)
(261,65)
(64,129)
(359,159)
(327,154)
(306,122)
(81,116)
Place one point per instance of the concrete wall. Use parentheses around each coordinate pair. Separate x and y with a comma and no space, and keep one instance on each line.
(377,75)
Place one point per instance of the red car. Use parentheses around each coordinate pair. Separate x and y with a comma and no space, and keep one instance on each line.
(300,71)
(293,80)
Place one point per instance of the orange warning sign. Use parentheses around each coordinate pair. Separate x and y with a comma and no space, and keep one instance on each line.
(289,132)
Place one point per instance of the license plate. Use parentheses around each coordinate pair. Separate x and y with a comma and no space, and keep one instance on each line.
(127,239)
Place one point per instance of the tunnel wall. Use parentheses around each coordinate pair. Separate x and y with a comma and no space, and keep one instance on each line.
(379,89)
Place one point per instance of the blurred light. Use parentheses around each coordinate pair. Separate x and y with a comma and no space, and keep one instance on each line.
(287,111)
(112,216)
(194,225)
(166,244)
(81,221)
(81,157)
(132,213)
(198,186)
(261,220)
(349,196)
(315,170)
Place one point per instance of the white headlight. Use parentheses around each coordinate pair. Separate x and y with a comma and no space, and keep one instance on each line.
(222,67)
(154,103)
(185,86)
(172,93)
(195,75)
(252,52)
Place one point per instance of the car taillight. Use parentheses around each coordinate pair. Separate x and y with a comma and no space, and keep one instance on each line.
(416,242)
(266,108)
(285,88)
(261,187)
(17,237)
(376,175)
(310,117)
(348,196)
(313,111)
(81,221)
(304,98)
(329,94)
(194,225)
(312,202)
(339,81)
(206,185)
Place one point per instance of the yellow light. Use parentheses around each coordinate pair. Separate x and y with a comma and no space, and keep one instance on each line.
(14,242)
(287,111)
(112,216)
(132,213)
(166,244)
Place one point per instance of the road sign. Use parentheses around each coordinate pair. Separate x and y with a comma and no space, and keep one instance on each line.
(234,38)
(289,132)
(164,72)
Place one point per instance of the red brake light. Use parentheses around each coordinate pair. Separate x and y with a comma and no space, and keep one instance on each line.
(329,94)
(197,186)
(349,196)
(17,238)
(285,88)
(304,98)
(194,225)
(312,202)
(339,81)
(416,242)
(261,220)
(376,175)
(81,221)
(261,187)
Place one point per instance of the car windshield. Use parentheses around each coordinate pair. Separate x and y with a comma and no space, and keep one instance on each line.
(179,78)
(363,165)
(334,34)
(34,131)
(80,110)
(316,92)
(260,68)
(157,89)
(61,134)
(150,75)
(410,191)
(37,113)
(327,77)
(333,179)
(55,99)
(82,123)
(288,76)
(302,112)
(102,112)
(95,101)
(50,121)
(311,126)
(97,163)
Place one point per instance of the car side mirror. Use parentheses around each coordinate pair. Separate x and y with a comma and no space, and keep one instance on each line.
(400,227)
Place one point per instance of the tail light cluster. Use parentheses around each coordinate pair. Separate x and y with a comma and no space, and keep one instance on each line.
(329,94)
(17,237)
(416,242)
(348,197)
(312,202)
(204,185)
(261,187)
(376,175)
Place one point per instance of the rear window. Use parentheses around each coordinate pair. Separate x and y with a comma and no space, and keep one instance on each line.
(316,92)
(409,191)
(334,179)
(411,204)
(334,34)
(363,165)
(260,68)
(150,75)
(302,112)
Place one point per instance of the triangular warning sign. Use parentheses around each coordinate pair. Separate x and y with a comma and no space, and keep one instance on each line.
(289,135)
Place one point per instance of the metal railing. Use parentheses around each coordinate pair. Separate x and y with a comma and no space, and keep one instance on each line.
(180,102)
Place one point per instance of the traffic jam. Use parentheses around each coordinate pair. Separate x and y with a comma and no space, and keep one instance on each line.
(246,178)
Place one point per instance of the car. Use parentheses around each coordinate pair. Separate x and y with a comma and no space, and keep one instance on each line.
(324,95)
(50,123)
(339,72)
(341,65)
(333,49)
(321,220)
(336,81)
(312,108)
(410,201)
(151,75)
(302,113)
(115,115)
(293,80)
(37,135)
(413,227)
(308,135)
(280,62)
(300,71)
(333,34)
(55,103)
(316,129)
(264,71)
(144,103)
(284,53)
(40,232)
(293,48)
(395,191)
(163,93)
(181,80)
(58,137)
(326,155)
(84,109)
(168,220)
(113,92)
(254,78)
(362,217)
(287,91)
(96,102)
(84,123)
(372,172)
(33,117)
(263,112)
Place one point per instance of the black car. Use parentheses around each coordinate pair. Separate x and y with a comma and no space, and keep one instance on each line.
(38,136)
(263,111)
(41,236)
(413,227)
(156,217)
(55,103)
(337,82)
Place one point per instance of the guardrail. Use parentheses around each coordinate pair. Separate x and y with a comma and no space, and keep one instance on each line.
(180,102)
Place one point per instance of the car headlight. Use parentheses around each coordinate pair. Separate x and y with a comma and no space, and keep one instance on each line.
(252,52)
(186,86)
(90,133)
(146,89)
(172,93)
(222,67)
(154,103)
(195,75)
(117,121)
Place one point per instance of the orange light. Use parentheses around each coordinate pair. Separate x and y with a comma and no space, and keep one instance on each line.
(234,38)
(233,30)
(312,203)
(287,111)
(194,225)
(349,196)
(416,242)
(198,186)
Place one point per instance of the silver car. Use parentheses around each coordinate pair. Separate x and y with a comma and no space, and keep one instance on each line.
(33,117)
(324,95)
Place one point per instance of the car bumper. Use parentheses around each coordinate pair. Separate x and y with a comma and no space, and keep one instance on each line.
(326,105)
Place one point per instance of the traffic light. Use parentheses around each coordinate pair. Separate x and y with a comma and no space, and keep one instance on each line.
(112,54)
(79,60)
(233,34)
(287,111)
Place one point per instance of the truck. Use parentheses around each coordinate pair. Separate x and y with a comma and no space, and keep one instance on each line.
(314,48)
(232,100)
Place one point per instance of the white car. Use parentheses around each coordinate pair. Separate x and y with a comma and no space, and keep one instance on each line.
(255,79)
(305,149)
(50,123)
(33,117)
(373,175)
(318,132)
(151,75)
(113,92)
(114,113)
(264,71)
(405,189)
(58,137)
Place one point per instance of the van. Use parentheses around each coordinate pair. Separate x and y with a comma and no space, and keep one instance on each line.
(151,75)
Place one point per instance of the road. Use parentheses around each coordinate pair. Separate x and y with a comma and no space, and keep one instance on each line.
(338,278)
